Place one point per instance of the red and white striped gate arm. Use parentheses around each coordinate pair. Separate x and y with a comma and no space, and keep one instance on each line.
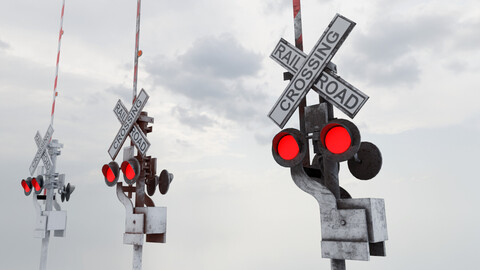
(55,93)
(297,23)
(137,36)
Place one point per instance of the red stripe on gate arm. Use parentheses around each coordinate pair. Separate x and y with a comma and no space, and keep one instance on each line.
(296,7)
(53,107)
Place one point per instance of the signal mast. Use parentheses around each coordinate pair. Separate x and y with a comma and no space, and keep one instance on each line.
(49,216)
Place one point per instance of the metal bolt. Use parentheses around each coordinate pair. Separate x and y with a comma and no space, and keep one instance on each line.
(343,222)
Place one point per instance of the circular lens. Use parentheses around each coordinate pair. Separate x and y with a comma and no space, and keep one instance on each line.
(338,140)
(288,147)
(129,172)
(110,175)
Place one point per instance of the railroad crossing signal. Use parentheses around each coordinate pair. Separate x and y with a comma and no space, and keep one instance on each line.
(310,70)
(352,229)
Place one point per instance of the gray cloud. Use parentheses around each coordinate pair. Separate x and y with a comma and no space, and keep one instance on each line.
(385,54)
(212,74)
(221,56)
(4,45)
(194,120)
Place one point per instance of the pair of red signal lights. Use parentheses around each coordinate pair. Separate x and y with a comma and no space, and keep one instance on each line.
(32,184)
(130,169)
(339,140)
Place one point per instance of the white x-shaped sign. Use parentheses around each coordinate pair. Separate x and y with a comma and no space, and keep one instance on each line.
(128,122)
(309,71)
(41,151)
(136,135)
(330,86)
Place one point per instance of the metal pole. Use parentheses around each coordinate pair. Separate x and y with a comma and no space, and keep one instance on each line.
(137,257)
(297,24)
(137,249)
(135,68)
(338,264)
(55,93)
(49,179)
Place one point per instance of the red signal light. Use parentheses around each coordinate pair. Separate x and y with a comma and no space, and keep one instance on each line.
(128,171)
(131,170)
(27,186)
(338,140)
(37,184)
(289,147)
(110,173)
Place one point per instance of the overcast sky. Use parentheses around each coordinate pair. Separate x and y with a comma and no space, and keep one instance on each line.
(211,83)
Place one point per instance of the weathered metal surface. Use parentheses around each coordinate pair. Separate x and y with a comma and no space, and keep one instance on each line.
(134,223)
(367,163)
(337,264)
(57,220)
(40,227)
(377,249)
(316,116)
(330,86)
(375,213)
(345,225)
(322,194)
(127,125)
(137,257)
(155,219)
(133,238)
(307,74)
(345,250)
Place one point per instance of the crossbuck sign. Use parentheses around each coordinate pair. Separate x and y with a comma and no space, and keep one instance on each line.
(129,126)
(307,69)
(42,152)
